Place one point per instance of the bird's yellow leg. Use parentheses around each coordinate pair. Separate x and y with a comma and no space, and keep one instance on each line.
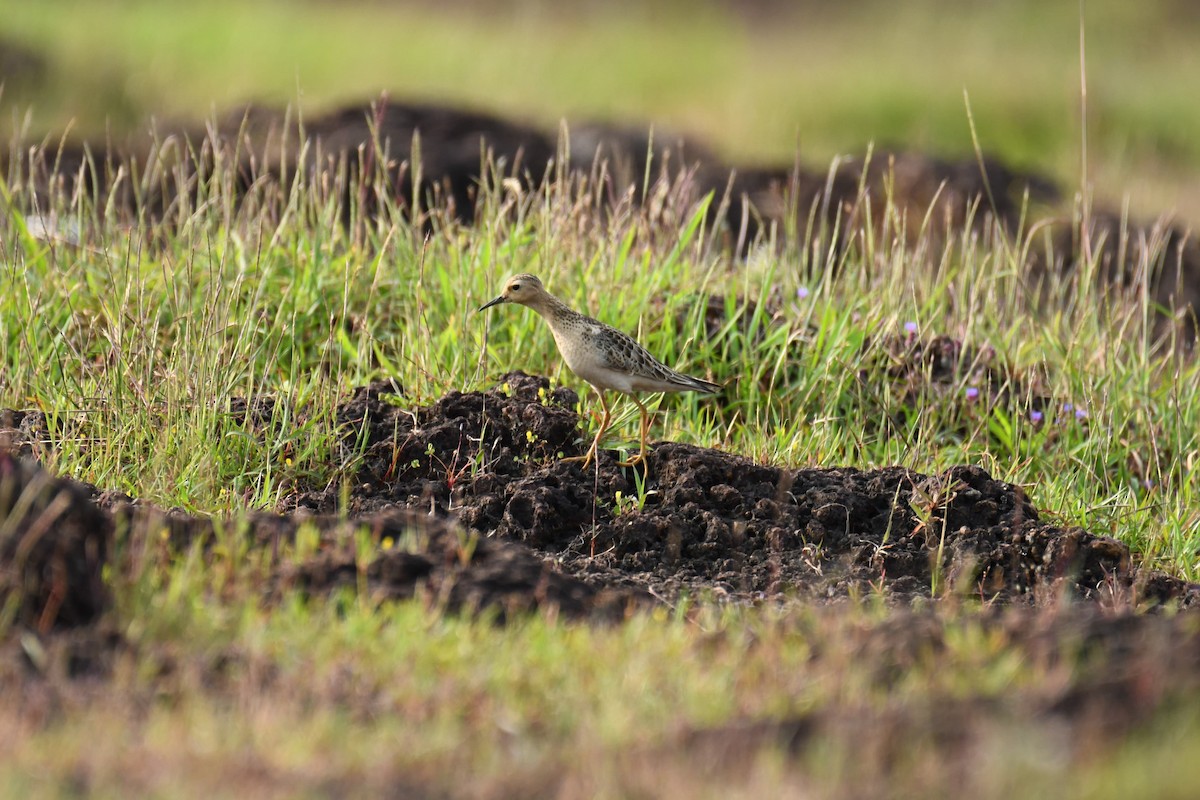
(605,420)
(643,431)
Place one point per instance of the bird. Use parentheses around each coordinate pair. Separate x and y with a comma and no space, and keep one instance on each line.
(601,355)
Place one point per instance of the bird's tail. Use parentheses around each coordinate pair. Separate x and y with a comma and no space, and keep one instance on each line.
(700,385)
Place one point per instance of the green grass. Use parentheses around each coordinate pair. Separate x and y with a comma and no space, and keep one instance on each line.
(135,349)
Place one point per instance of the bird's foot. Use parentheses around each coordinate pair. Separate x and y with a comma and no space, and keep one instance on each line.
(586,458)
(633,461)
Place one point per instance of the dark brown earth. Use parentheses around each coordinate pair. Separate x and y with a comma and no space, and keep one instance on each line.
(711,522)
(467,502)
(54,542)
(24,68)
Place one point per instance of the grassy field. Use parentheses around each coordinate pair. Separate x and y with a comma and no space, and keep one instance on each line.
(136,351)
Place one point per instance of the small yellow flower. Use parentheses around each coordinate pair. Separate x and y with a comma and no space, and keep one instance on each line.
(529,437)
(388,542)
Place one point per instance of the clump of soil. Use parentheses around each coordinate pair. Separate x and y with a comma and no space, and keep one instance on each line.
(718,523)
(53,545)
(427,457)
(702,521)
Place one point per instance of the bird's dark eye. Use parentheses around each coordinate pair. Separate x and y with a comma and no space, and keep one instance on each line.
(516,287)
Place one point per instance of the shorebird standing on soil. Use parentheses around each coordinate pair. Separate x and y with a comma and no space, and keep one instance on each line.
(601,355)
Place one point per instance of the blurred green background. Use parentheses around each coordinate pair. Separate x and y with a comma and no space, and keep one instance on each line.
(760,80)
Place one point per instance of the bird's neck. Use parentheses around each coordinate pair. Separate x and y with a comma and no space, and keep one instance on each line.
(555,310)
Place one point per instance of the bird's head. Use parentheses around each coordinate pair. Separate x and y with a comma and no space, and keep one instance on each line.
(525,289)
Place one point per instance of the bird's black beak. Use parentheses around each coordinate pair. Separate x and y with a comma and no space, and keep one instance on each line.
(497,301)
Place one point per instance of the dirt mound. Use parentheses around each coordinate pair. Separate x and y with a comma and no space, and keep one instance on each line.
(939,196)
(712,522)
(928,199)
(57,534)
(428,156)
(53,545)
(703,521)
(469,503)
(424,458)
(24,68)
(424,156)
(431,155)
(620,158)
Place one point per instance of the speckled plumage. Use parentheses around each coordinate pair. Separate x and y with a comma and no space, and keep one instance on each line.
(600,354)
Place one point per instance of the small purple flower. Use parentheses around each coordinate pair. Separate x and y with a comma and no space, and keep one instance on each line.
(1068,407)
(1080,414)
(1147,484)
(972,393)
(1036,416)
(802,293)
(910,327)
